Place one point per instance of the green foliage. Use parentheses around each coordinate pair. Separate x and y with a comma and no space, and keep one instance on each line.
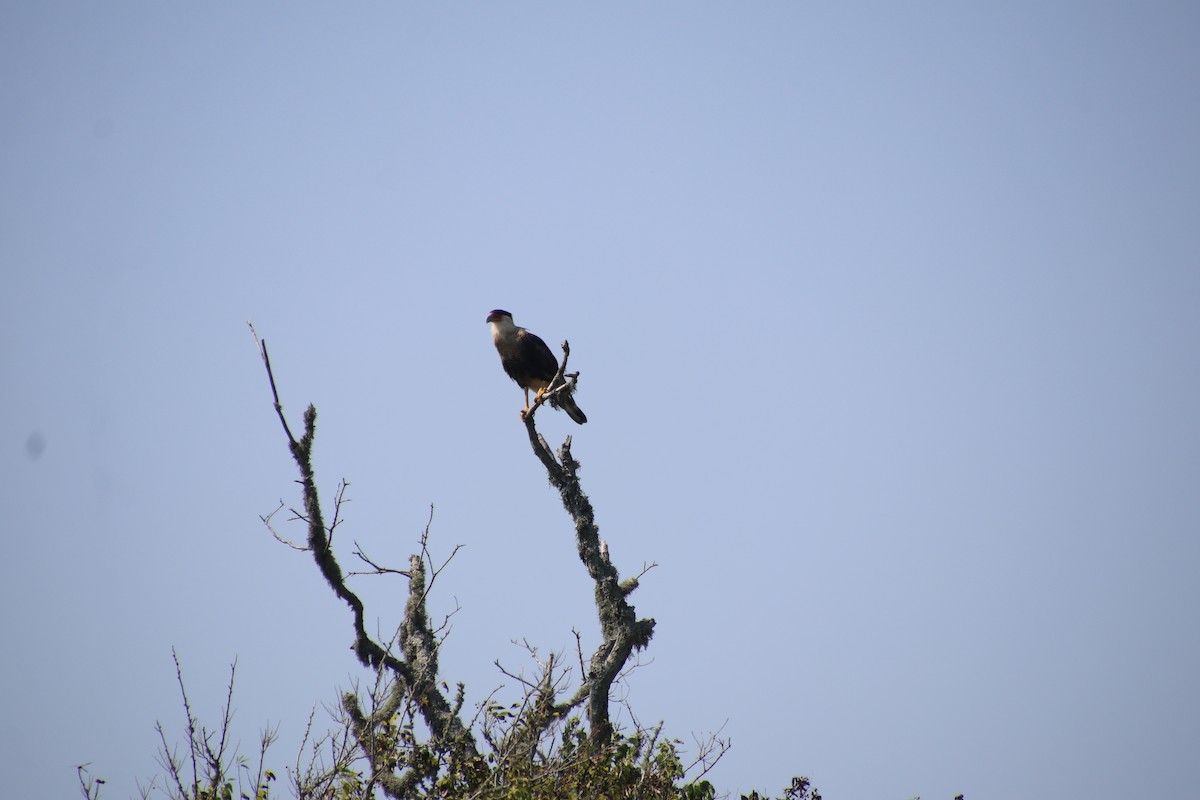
(637,766)
(529,760)
(534,754)
(801,789)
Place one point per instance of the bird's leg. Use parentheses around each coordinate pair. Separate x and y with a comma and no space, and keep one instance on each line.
(526,401)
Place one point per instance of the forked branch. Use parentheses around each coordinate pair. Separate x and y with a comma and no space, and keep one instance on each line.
(562,383)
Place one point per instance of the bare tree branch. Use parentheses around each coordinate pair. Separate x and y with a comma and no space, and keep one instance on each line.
(416,670)
(621,631)
(708,752)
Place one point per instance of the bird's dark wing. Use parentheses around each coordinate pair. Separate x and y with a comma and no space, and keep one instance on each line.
(537,361)
(527,360)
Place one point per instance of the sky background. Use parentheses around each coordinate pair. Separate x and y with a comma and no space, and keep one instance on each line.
(886,314)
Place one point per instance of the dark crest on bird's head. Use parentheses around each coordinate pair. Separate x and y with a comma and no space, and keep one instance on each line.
(496,314)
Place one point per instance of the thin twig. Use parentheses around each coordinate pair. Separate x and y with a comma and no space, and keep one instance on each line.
(191,719)
(338,499)
(705,757)
(262,348)
(271,527)
(376,569)
(579,652)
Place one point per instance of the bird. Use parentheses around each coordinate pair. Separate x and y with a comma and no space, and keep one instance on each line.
(528,361)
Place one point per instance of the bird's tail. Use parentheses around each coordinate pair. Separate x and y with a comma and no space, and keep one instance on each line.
(567,403)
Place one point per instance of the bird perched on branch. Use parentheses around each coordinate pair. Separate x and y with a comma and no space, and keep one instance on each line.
(528,361)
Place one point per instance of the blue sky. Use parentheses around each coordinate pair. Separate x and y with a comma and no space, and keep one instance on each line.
(886,316)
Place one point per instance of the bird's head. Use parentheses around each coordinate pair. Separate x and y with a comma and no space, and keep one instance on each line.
(502,325)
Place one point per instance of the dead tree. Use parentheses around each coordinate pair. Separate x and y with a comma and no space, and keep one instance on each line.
(414,681)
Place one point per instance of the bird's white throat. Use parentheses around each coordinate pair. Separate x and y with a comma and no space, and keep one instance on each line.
(503,328)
